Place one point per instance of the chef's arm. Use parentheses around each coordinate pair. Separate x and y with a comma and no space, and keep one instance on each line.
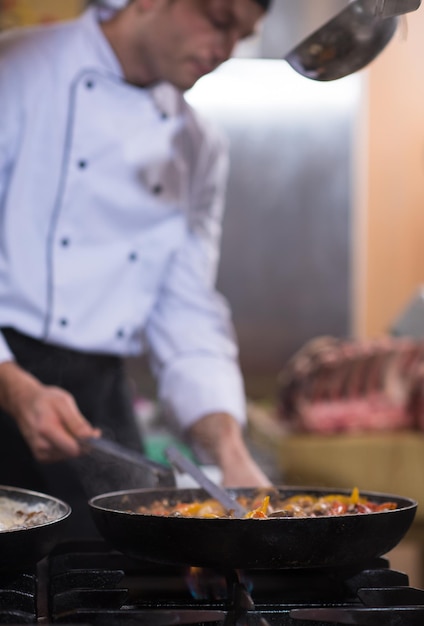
(47,416)
(221,437)
(191,335)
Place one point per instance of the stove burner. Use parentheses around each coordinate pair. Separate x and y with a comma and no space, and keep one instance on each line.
(89,583)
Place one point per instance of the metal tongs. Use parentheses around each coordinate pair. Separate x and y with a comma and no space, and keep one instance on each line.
(161,474)
(183,464)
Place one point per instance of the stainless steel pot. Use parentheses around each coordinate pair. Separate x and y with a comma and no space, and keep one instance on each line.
(22,547)
(345,44)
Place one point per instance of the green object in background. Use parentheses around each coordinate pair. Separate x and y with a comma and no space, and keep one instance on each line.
(155,446)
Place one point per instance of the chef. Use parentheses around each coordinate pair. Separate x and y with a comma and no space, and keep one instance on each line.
(111,201)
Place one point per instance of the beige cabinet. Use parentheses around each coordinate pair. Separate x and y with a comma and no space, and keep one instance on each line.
(26,12)
(389,238)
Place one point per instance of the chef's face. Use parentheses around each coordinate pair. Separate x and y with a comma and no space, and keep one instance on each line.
(181,40)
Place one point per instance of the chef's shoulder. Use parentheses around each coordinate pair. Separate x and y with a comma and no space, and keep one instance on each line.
(32,52)
(203,134)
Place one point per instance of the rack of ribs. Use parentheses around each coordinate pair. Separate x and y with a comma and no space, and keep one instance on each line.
(334,385)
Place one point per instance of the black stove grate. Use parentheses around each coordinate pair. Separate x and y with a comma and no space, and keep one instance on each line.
(90,583)
(18,598)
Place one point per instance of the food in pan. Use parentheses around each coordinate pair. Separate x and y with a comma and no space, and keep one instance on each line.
(273,506)
(15,515)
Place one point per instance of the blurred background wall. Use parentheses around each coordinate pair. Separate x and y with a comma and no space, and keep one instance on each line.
(324,228)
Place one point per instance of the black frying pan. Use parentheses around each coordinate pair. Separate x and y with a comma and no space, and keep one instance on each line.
(249,543)
(22,547)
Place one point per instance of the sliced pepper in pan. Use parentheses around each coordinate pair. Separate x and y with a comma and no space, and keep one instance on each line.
(265,506)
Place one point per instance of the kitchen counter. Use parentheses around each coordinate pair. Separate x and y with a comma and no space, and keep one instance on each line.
(388,462)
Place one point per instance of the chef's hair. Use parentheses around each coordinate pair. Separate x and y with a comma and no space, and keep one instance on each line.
(264,3)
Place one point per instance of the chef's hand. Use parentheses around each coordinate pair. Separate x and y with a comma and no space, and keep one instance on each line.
(47,417)
(221,436)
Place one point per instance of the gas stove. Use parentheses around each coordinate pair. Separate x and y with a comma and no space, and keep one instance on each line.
(87,582)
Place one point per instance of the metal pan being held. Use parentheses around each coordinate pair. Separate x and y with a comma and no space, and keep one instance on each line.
(289,542)
(31,524)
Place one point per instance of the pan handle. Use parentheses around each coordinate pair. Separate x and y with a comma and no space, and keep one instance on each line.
(112,449)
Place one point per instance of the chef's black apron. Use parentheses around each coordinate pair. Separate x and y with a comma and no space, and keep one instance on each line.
(99,385)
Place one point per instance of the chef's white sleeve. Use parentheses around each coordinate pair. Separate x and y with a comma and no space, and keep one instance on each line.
(190,332)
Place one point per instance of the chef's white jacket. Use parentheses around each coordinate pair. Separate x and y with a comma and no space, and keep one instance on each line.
(111,200)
